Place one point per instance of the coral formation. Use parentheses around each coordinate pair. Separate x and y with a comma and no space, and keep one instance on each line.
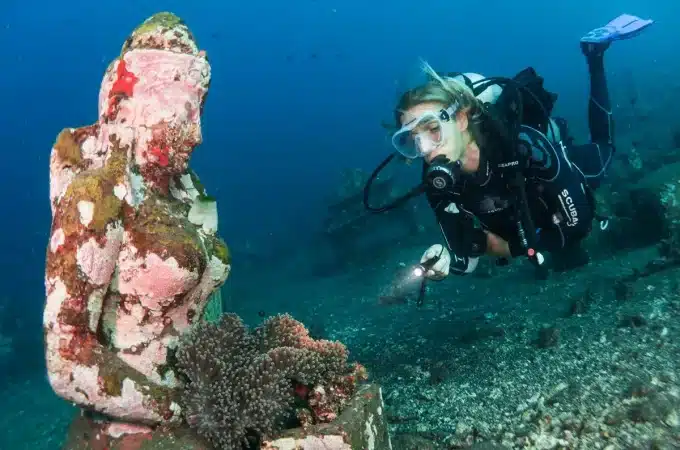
(241,386)
(129,266)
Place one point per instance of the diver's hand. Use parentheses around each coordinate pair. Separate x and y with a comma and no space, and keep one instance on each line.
(441,268)
(497,246)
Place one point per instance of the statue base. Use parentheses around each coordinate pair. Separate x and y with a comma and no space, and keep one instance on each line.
(361,425)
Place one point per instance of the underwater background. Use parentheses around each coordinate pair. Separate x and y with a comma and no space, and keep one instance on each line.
(292,127)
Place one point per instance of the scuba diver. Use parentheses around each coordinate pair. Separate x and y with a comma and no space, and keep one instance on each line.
(503,178)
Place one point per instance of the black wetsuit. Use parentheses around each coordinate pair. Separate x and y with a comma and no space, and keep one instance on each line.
(559,177)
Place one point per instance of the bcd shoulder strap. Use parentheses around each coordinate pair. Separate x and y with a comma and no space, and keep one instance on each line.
(502,126)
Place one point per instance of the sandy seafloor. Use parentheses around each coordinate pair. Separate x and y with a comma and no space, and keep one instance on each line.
(472,366)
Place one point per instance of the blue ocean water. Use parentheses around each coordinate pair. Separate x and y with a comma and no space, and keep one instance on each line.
(298,95)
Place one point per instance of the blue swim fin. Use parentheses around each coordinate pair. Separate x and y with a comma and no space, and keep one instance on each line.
(625,26)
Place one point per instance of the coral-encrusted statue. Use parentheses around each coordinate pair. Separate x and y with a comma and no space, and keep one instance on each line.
(133,255)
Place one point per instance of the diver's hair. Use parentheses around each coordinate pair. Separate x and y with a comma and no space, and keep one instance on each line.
(439,89)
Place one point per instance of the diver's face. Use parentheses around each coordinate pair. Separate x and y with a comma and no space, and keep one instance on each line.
(441,137)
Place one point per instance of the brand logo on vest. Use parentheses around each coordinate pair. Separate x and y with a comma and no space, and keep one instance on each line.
(570,211)
(439,182)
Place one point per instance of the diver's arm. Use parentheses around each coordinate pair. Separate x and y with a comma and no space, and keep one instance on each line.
(567,198)
(574,212)
(464,241)
(563,191)
(497,246)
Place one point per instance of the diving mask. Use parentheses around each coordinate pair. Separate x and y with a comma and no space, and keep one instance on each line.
(423,134)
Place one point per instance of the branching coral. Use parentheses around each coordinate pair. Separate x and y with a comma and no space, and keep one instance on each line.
(310,361)
(240,386)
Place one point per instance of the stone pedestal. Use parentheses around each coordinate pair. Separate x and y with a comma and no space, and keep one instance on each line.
(361,426)
(88,434)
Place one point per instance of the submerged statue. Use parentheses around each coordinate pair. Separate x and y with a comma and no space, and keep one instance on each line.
(133,254)
(133,262)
